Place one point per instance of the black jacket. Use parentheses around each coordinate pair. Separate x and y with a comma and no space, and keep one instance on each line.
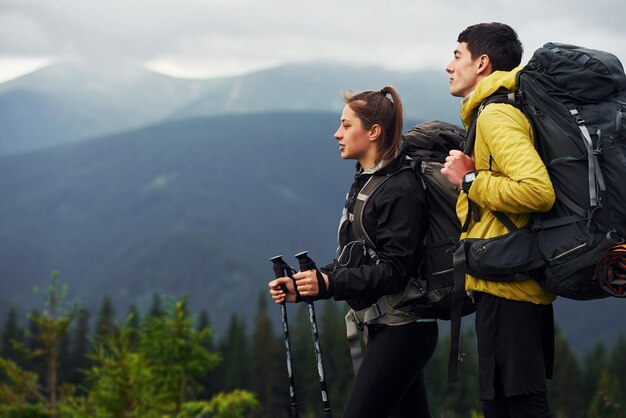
(393,218)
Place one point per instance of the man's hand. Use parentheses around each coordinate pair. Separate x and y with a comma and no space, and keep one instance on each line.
(456,166)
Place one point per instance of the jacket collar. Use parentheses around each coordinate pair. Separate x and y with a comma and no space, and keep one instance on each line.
(384,167)
(487,86)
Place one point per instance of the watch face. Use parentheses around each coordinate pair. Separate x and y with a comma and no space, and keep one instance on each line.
(469,177)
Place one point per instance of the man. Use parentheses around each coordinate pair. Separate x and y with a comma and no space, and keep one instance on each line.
(514,320)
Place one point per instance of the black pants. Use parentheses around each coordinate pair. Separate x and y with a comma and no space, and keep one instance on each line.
(390,382)
(524,406)
(515,356)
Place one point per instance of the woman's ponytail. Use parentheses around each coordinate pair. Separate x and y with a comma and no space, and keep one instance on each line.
(375,107)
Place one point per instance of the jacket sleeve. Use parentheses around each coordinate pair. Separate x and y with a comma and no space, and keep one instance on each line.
(521,183)
(398,209)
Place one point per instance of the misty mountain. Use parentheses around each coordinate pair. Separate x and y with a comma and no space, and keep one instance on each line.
(308,87)
(68,102)
(194,206)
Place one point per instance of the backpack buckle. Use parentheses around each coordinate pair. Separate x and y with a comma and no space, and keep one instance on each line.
(377,311)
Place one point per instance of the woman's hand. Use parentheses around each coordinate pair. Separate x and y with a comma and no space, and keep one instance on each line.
(307,284)
(278,294)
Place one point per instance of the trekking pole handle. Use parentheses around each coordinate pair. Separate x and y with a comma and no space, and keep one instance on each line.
(279,266)
(306,263)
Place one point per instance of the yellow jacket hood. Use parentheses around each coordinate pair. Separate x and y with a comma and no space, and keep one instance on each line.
(487,86)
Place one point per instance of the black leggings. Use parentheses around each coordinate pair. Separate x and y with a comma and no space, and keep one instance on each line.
(390,382)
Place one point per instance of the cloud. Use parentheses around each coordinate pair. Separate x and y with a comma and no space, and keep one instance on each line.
(217,37)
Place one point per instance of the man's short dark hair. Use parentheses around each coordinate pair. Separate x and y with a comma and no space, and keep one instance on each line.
(496,40)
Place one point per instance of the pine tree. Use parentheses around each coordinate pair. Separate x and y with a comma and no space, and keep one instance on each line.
(565,390)
(64,359)
(11,334)
(176,353)
(133,323)
(158,377)
(462,398)
(124,384)
(204,323)
(29,362)
(104,323)
(235,367)
(618,363)
(80,348)
(267,365)
(595,363)
(336,352)
(156,309)
(53,325)
(607,401)
(209,382)
(20,392)
(453,400)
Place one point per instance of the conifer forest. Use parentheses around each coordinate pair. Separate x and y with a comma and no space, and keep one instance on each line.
(60,360)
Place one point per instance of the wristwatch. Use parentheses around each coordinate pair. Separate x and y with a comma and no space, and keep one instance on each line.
(468,178)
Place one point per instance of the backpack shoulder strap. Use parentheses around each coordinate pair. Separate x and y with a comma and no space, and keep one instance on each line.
(359,208)
(499,97)
(357,216)
(502,97)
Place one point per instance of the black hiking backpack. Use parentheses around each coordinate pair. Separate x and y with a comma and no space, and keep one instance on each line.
(431,294)
(575,99)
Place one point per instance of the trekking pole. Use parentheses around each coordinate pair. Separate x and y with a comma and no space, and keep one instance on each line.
(280,267)
(306,263)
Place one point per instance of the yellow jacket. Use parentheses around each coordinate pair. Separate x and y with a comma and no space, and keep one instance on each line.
(511,179)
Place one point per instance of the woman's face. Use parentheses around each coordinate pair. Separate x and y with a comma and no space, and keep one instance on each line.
(355,143)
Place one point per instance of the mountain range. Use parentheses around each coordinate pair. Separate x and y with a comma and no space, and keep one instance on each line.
(72,101)
(189,192)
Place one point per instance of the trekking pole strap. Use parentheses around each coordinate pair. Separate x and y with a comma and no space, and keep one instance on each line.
(457,312)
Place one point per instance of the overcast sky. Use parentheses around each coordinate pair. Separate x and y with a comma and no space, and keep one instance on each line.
(210,38)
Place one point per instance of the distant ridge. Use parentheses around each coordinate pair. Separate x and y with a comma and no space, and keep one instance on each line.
(70,102)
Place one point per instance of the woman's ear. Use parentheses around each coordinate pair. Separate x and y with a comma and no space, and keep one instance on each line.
(375,132)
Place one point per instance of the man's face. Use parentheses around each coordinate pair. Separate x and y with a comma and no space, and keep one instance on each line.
(463,70)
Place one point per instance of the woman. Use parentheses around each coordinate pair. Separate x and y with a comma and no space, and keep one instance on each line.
(390,380)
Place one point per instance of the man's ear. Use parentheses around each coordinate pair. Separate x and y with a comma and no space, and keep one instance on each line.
(375,132)
(484,65)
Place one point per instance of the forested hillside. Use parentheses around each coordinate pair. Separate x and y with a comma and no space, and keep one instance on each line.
(165,361)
